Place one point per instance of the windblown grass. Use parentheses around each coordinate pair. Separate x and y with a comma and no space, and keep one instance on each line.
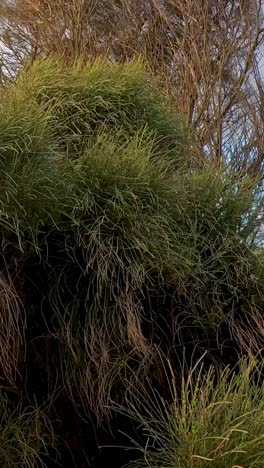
(216,420)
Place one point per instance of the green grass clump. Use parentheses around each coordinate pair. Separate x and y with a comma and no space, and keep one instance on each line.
(30,172)
(25,435)
(120,236)
(85,97)
(215,420)
(139,228)
(106,240)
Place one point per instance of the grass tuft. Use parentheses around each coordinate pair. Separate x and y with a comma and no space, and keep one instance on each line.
(215,420)
(25,435)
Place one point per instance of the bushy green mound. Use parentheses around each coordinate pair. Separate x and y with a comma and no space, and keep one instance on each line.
(114,244)
(86,98)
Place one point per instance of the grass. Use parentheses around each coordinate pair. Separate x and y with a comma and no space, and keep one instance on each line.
(137,226)
(109,230)
(30,172)
(86,97)
(12,328)
(25,435)
(216,419)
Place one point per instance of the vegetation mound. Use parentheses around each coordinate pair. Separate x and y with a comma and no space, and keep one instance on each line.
(115,245)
